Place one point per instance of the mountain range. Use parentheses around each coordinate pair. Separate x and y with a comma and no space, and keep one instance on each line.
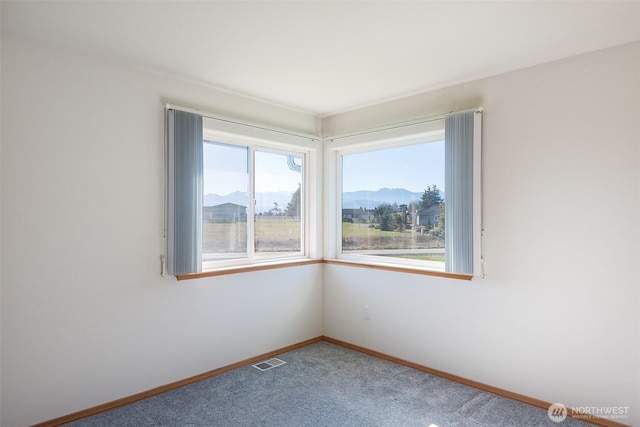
(370,199)
(350,200)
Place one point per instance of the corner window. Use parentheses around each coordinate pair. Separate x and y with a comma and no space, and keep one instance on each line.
(251,203)
(391,199)
(241,194)
(235,199)
(410,195)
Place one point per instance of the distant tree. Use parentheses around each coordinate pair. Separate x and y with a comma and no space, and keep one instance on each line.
(399,221)
(293,208)
(384,216)
(440,226)
(405,217)
(430,197)
(275,210)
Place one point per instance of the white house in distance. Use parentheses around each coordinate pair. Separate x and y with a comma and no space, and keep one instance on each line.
(428,217)
(225,212)
(87,318)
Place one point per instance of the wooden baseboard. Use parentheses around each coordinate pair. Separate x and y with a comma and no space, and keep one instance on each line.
(168,387)
(475,384)
(165,388)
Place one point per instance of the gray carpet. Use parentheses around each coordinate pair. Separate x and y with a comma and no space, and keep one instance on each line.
(326,385)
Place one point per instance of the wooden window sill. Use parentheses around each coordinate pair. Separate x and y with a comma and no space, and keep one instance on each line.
(399,269)
(297,263)
(249,268)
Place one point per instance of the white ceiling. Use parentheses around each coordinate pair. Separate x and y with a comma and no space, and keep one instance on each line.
(330,56)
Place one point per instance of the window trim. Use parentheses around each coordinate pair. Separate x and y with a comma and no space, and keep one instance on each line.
(224,130)
(250,268)
(398,268)
(252,257)
(419,131)
(379,260)
(256,142)
(368,142)
(298,263)
(323,195)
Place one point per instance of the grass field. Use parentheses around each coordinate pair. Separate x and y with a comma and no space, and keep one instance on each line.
(425,257)
(271,235)
(360,237)
(283,235)
(277,235)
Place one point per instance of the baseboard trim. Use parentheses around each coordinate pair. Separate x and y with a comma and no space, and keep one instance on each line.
(475,384)
(171,386)
(174,385)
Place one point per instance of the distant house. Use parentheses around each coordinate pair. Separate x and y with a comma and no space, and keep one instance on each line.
(225,212)
(357,215)
(429,217)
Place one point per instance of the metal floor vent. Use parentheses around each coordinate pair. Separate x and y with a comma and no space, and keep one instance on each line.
(268,364)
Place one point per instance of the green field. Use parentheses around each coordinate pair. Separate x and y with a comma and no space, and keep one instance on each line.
(361,237)
(425,257)
(281,234)
(271,235)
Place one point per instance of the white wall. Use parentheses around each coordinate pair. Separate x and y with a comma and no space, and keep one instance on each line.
(86,317)
(0,213)
(557,316)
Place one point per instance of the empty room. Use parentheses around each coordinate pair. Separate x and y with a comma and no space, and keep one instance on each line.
(442,189)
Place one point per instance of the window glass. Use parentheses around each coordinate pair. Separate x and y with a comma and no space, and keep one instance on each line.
(225,202)
(237,226)
(393,203)
(278,207)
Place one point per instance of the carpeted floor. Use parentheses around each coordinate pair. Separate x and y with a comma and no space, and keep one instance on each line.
(326,385)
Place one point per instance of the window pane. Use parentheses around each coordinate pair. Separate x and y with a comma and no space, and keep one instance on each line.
(393,203)
(278,186)
(224,229)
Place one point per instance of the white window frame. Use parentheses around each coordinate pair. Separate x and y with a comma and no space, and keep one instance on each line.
(259,139)
(431,130)
(251,256)
(322,190)
(228,131)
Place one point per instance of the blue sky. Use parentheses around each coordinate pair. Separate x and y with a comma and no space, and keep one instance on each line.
(413,167)
(226,170)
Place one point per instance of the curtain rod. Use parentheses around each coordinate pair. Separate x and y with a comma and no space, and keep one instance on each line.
(242,122)
(404,124)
